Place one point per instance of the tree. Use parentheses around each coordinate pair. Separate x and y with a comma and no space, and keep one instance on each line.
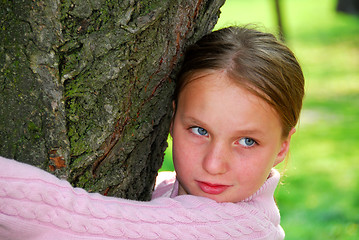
(86,86)
(278,11)
(348,6)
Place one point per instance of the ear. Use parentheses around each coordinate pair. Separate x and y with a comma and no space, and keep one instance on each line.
(284,148)
(173,117)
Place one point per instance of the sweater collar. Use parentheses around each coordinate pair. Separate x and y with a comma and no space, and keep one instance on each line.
(174,192)
(268,188)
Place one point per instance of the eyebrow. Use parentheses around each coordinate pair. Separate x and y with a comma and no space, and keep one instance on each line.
(193,121)
(249,132)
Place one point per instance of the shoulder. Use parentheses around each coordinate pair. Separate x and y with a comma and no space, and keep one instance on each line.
(12,169)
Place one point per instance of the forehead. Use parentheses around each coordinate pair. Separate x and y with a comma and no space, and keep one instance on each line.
(214,81)
(214,97)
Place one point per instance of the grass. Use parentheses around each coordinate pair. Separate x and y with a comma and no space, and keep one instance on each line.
(319,196)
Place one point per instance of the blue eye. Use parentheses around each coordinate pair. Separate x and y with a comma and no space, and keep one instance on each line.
(247,142)
(199,131)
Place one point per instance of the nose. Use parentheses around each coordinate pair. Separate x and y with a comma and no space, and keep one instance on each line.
(216,160)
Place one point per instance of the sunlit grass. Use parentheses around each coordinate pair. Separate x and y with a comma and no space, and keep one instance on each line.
(319,195)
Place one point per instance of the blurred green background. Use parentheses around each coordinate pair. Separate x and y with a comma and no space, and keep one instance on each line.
(319,194)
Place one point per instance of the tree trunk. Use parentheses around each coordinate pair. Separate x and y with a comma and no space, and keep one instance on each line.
(278,11)
(86,86)
(348,6)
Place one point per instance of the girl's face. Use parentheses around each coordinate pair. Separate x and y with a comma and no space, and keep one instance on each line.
(225,139)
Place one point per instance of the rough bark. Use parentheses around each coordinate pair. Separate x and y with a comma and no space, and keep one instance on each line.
(86,86)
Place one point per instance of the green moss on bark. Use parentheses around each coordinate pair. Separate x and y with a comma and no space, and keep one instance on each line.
(96,104)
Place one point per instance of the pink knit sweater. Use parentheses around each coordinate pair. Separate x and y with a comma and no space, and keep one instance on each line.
(36,205)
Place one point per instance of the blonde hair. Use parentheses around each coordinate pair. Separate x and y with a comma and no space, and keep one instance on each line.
(255,60)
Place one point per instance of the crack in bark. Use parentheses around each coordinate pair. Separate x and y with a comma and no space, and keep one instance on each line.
(112,142)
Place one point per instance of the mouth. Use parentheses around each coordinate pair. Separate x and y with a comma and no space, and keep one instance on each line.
(210,188)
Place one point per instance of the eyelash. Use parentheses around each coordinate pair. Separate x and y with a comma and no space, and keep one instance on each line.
(206,134)
(199,128)
(248,138)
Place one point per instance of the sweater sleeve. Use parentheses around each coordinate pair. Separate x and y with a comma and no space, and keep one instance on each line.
(35,205)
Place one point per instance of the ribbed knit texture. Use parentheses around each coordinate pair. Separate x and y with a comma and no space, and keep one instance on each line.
(36,205)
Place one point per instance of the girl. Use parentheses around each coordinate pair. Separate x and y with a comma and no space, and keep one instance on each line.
(237,102)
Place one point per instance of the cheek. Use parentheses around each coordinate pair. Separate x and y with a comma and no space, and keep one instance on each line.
(180,152)
(185,155)
(254,164)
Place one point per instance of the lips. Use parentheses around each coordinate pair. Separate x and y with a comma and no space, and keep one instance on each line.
(210,188)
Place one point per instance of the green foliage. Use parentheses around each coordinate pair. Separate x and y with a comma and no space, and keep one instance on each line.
(319,197)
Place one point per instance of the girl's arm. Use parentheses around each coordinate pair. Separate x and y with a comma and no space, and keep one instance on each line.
(36,205)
